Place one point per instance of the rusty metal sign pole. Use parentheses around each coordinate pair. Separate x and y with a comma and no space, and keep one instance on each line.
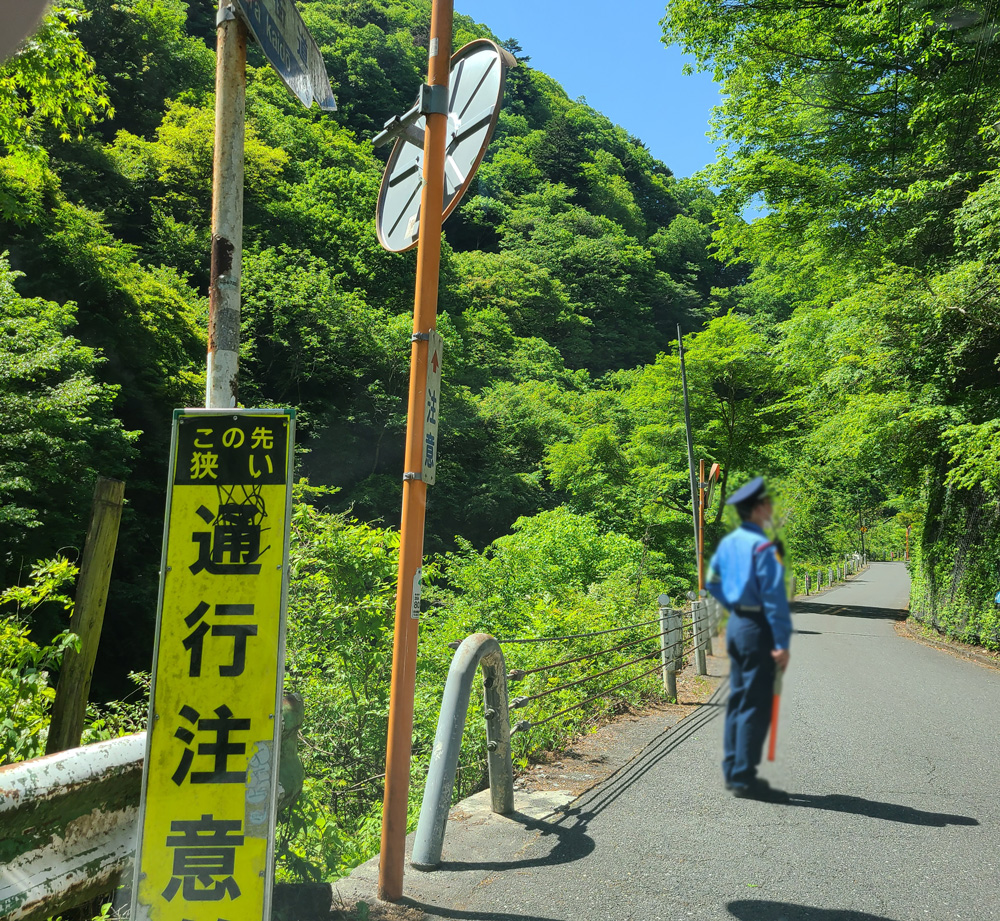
(227,210)
(404,648)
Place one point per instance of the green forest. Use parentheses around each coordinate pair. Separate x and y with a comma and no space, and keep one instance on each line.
(835,274)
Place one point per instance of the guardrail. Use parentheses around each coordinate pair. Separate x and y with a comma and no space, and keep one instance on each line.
(70,820)
(69,824)
(826,578)
(680,633)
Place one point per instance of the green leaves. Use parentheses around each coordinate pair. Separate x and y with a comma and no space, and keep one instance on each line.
(26,666)
(50,83)
(856,124)
(58,429)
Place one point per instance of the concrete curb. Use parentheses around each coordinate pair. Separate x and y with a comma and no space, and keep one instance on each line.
(958,649)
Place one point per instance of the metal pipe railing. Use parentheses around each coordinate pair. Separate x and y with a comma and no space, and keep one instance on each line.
(481,649)
(478,649)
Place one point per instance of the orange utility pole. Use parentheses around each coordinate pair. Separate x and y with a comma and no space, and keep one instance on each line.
(411,548)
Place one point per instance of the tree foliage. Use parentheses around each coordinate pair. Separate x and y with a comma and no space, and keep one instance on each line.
(866,133)
(842,341)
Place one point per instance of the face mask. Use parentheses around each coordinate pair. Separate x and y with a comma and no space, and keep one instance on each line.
(768,524)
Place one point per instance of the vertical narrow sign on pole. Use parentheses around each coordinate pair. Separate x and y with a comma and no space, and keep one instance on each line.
(432,407)
(210,777)
(404,648)
(440,143)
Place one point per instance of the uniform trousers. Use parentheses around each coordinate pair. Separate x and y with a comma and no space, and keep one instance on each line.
(749,642)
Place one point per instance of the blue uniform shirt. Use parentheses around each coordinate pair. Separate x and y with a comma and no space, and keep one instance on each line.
(745,572)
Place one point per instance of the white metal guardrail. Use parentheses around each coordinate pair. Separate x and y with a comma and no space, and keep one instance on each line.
(69,826)
(68,821)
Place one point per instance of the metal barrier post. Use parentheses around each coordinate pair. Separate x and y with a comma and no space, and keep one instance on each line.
(480,647)
(700,636)
(706,618)
(666,647)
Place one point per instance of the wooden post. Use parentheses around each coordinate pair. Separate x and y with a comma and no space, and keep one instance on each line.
(70,705)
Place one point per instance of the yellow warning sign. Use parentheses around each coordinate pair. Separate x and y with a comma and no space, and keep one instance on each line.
(210,778)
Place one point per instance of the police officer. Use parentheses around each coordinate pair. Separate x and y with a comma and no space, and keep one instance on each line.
(746,575)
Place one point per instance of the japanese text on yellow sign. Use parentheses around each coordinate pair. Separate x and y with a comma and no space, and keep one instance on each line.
(211,770)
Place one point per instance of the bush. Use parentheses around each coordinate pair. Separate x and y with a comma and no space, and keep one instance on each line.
(25,666)
(558,573)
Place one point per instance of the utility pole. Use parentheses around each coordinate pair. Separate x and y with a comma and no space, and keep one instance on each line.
(690,447)
(227,210)
(404,648)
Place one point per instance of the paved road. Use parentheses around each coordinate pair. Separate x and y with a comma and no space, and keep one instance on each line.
(888,749)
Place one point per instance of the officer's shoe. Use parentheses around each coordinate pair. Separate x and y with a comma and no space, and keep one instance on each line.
(759,781)
(759,789)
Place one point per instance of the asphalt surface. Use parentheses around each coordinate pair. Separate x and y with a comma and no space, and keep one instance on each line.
(887,747)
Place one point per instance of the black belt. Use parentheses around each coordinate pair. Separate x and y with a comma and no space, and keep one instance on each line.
(747,611)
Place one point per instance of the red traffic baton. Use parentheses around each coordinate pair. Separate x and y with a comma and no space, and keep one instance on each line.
(778,675)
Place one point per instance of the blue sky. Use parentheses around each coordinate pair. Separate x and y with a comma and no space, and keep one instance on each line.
(611,53)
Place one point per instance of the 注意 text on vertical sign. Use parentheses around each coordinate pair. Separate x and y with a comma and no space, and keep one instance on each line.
(210,779)
(432,407)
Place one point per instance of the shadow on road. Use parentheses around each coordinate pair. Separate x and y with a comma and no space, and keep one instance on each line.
(754,910)
(463,914)
(570,828)
(847,610)
(891,812)
(571,843)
